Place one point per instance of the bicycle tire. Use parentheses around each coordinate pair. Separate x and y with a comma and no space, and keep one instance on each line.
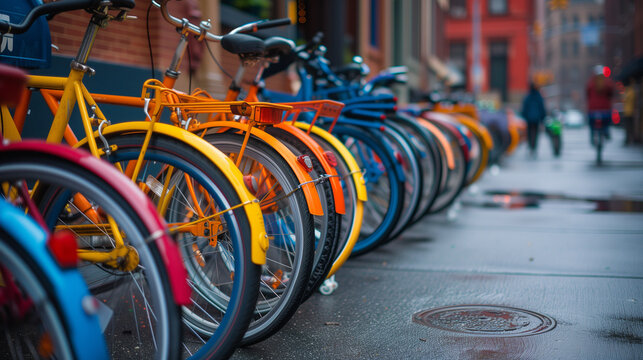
(383,207)
(327,225)
(431,162)
(413,176)
(229,308)
(455,178)
(39,299)
(45,320)
(271,314)
(57,180)
(478,156)
(352,219)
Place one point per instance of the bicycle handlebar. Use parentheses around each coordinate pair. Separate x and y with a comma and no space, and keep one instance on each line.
(265,24)
(199,30)
(45,9)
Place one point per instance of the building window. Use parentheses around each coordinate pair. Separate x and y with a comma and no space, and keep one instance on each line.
(458,9)
(575,48)
(458,57)
(563,74)
(563,22)
(575,21)
(574,74)
(591,20)
(563,48)
(497,7)
(498,67)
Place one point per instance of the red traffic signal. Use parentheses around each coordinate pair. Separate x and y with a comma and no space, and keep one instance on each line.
(606,71)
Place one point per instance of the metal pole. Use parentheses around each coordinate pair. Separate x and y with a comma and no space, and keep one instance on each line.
(477,70)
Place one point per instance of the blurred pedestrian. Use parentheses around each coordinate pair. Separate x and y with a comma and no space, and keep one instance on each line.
(599,92)
(533,111)
(629,104)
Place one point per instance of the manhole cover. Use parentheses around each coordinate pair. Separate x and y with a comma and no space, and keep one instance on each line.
(486,320)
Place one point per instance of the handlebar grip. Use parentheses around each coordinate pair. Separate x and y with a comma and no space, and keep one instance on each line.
(44,9)
(274,23)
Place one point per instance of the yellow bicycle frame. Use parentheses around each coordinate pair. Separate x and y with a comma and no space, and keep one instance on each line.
(222,162)
(74,92)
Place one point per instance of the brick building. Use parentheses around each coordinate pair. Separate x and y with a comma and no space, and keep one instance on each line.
(378,30)
(504,46)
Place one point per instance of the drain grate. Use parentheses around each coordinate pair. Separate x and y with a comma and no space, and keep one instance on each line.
(486,320)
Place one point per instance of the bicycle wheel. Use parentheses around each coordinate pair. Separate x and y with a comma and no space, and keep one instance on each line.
(385,197)
(409,158)
(455,177)
(598,143)
(40,312)
(137,306)
(289,226)
(216,253)
(476,156)
(354,207)
(328,225)
(26,328)
(430,162)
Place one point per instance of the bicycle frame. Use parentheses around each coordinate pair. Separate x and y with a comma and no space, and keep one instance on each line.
(195,105)
(72,91)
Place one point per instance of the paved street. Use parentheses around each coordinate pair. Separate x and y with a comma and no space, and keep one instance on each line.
(548,251)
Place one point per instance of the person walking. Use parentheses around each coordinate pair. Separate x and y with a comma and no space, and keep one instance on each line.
(599,92)
(533,111)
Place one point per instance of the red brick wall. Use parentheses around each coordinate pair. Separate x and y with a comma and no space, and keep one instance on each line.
(125,42)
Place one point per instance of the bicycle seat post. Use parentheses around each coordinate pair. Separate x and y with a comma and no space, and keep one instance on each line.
(80,61)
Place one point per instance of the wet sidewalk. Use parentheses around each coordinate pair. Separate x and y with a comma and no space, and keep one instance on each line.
(549,250)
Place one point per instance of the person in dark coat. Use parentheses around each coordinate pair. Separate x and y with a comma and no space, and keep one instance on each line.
(533,111)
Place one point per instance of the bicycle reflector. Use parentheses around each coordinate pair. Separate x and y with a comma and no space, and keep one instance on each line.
(268,115)
(304,160)
(62,245)
(251,184)
(330,157)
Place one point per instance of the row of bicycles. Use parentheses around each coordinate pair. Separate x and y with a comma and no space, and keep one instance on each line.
(203,225)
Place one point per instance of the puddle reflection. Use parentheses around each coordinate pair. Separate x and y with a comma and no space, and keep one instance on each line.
(530,199)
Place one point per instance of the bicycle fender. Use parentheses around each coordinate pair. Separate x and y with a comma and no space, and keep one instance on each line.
(336,186)
(479,129)
(442,139)
(307,186)
(222,162)
(68,285)
(346,155)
